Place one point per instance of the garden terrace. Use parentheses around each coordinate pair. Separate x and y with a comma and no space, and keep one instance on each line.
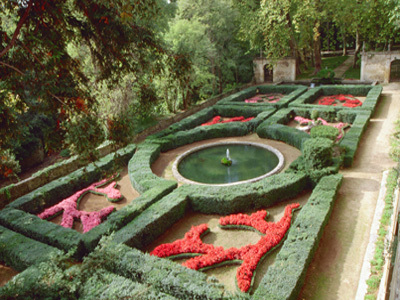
(162,203)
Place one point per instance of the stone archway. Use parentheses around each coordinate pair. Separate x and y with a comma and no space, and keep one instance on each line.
(268,73)
(282,70)
(395,70)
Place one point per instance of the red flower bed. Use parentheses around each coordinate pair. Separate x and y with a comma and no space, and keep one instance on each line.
(250,255)
(345,100)
(217,120)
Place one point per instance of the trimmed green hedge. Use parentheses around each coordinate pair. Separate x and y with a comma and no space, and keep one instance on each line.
(357,118)
(372,94)
(291,92)
(107,285)
(286,276)
(161,274)
(53,192)
(125,215)
(153,221)
(20,252)
(244,197)
(352,138)
(42,230)
(225,110)
(28,224)
(286,134)
(139,168)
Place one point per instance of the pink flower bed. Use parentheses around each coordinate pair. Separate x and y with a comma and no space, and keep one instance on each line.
(69,206)
(266,98)
(340,125)
(345,100)
(218,120)
(250,255)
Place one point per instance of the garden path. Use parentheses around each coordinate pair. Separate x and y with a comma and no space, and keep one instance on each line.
(339,71)
(335,270)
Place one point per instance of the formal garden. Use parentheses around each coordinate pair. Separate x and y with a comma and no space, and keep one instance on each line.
(170,149)
(273,225)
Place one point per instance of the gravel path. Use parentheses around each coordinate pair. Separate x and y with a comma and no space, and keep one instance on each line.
(335,270)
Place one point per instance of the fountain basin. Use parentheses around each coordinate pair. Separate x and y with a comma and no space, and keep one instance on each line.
(250,162)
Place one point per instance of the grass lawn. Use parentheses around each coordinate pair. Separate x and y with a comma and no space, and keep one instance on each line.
(352,73)
(327,62)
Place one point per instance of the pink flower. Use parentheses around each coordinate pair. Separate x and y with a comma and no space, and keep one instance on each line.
(88,219)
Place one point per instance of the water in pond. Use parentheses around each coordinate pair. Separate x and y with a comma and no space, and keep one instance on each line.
(248,162)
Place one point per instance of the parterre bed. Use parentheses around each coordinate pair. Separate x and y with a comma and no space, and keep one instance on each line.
(34,246)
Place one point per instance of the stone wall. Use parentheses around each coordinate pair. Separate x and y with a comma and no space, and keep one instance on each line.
(283,70)
(375,66)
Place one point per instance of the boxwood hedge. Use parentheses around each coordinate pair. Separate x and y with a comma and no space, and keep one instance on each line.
(372,94)
(291,92)
(285,277)
(21,252)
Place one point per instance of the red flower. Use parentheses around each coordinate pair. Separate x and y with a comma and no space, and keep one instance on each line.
(249,254)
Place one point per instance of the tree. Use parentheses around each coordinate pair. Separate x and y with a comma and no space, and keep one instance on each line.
(40,76)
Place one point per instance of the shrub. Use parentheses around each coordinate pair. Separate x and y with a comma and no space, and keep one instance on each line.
(324,131)
(317,153)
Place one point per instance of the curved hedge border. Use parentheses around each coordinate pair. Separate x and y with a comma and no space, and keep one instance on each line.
(372,94)
(291,92)
(228,111)
(286,134)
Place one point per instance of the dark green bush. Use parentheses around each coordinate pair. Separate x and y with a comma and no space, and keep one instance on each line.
(21,252)
(317,153)
(324,131)
(42,230)
(286,134)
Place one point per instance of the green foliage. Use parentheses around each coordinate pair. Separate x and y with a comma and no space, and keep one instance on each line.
(83,144)
(153,221)
(9,166)
(21,252)
(324,131)
(286,276)
(317,153)
(326,73)
(352,138)
(380,248)
(289,135)
(41,230)
(160,274)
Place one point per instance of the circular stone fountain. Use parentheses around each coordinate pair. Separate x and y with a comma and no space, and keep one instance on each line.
(249,162)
